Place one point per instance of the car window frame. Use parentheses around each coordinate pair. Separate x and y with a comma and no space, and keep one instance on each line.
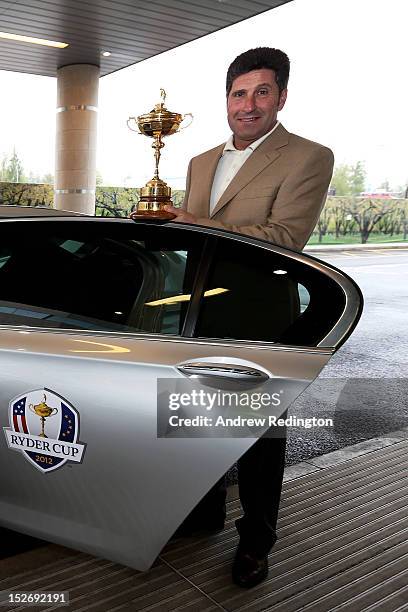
(333,340)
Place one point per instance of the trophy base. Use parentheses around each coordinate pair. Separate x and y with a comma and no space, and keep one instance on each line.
(160,215)
(153,208)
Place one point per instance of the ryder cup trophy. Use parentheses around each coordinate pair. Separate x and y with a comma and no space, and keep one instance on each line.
(43,411)
(160,122)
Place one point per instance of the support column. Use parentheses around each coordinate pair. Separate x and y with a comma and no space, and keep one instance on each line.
(75,155)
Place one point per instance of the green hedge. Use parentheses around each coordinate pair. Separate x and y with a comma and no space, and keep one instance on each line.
(110,201)
(343,219)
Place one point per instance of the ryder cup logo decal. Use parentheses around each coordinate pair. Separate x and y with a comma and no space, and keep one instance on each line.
(44,427)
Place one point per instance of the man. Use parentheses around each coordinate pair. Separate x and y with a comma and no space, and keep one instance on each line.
(267,183)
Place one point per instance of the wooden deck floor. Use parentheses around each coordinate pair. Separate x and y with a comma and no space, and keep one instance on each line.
(343,546)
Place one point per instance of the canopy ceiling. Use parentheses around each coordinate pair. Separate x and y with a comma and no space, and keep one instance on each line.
(132,30)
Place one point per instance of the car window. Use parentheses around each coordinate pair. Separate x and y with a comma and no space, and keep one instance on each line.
(99,276)
(268,297)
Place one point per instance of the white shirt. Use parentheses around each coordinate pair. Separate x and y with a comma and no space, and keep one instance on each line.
(230,162)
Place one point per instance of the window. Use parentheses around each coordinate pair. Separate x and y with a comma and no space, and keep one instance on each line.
(96,275)
(111,275)
(266,297)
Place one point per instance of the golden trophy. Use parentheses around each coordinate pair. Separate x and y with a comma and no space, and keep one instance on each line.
(156,194)
(43,411)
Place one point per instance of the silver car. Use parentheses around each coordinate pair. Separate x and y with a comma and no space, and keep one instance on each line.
(101,321)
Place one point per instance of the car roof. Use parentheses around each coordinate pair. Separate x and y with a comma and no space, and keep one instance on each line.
(34,211)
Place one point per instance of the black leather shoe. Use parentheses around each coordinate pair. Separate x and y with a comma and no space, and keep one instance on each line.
(249,569)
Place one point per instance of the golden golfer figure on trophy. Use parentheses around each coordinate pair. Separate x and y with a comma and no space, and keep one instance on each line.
(160,122)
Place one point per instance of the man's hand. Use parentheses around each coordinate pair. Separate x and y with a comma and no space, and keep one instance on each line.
(182,216)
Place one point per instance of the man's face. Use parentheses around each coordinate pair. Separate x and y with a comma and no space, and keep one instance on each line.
(252,105)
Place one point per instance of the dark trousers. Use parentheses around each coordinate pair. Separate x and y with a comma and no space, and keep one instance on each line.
(260,474)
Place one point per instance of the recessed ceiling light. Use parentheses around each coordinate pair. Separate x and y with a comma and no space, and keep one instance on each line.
(35,41)
(106,53)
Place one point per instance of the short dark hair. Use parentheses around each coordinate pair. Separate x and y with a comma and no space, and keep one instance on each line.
(256,59)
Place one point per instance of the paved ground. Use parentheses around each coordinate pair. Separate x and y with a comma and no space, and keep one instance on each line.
(364,388)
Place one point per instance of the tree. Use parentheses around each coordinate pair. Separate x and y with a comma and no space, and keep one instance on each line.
(385,185)
(15,169)
(390,224)
(343,222)
(340,179)
(3,168)
(323,222)
(349,180)
(367,214)
(11,170)
(24,194)
(48,179)
(357,178)
(115,201)
(33,178)
(402,210)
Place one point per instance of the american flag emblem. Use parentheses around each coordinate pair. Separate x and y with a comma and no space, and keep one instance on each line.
(19,418)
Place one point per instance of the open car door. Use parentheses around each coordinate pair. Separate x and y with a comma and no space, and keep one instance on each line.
(100,318)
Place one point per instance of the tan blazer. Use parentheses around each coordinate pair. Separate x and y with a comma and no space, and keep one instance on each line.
(277,194)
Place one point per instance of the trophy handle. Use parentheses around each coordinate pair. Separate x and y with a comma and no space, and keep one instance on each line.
(52,413)
(189,123)
(130,128)
(31,406)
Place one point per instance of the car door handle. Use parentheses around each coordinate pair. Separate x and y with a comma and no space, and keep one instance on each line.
(223,370)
